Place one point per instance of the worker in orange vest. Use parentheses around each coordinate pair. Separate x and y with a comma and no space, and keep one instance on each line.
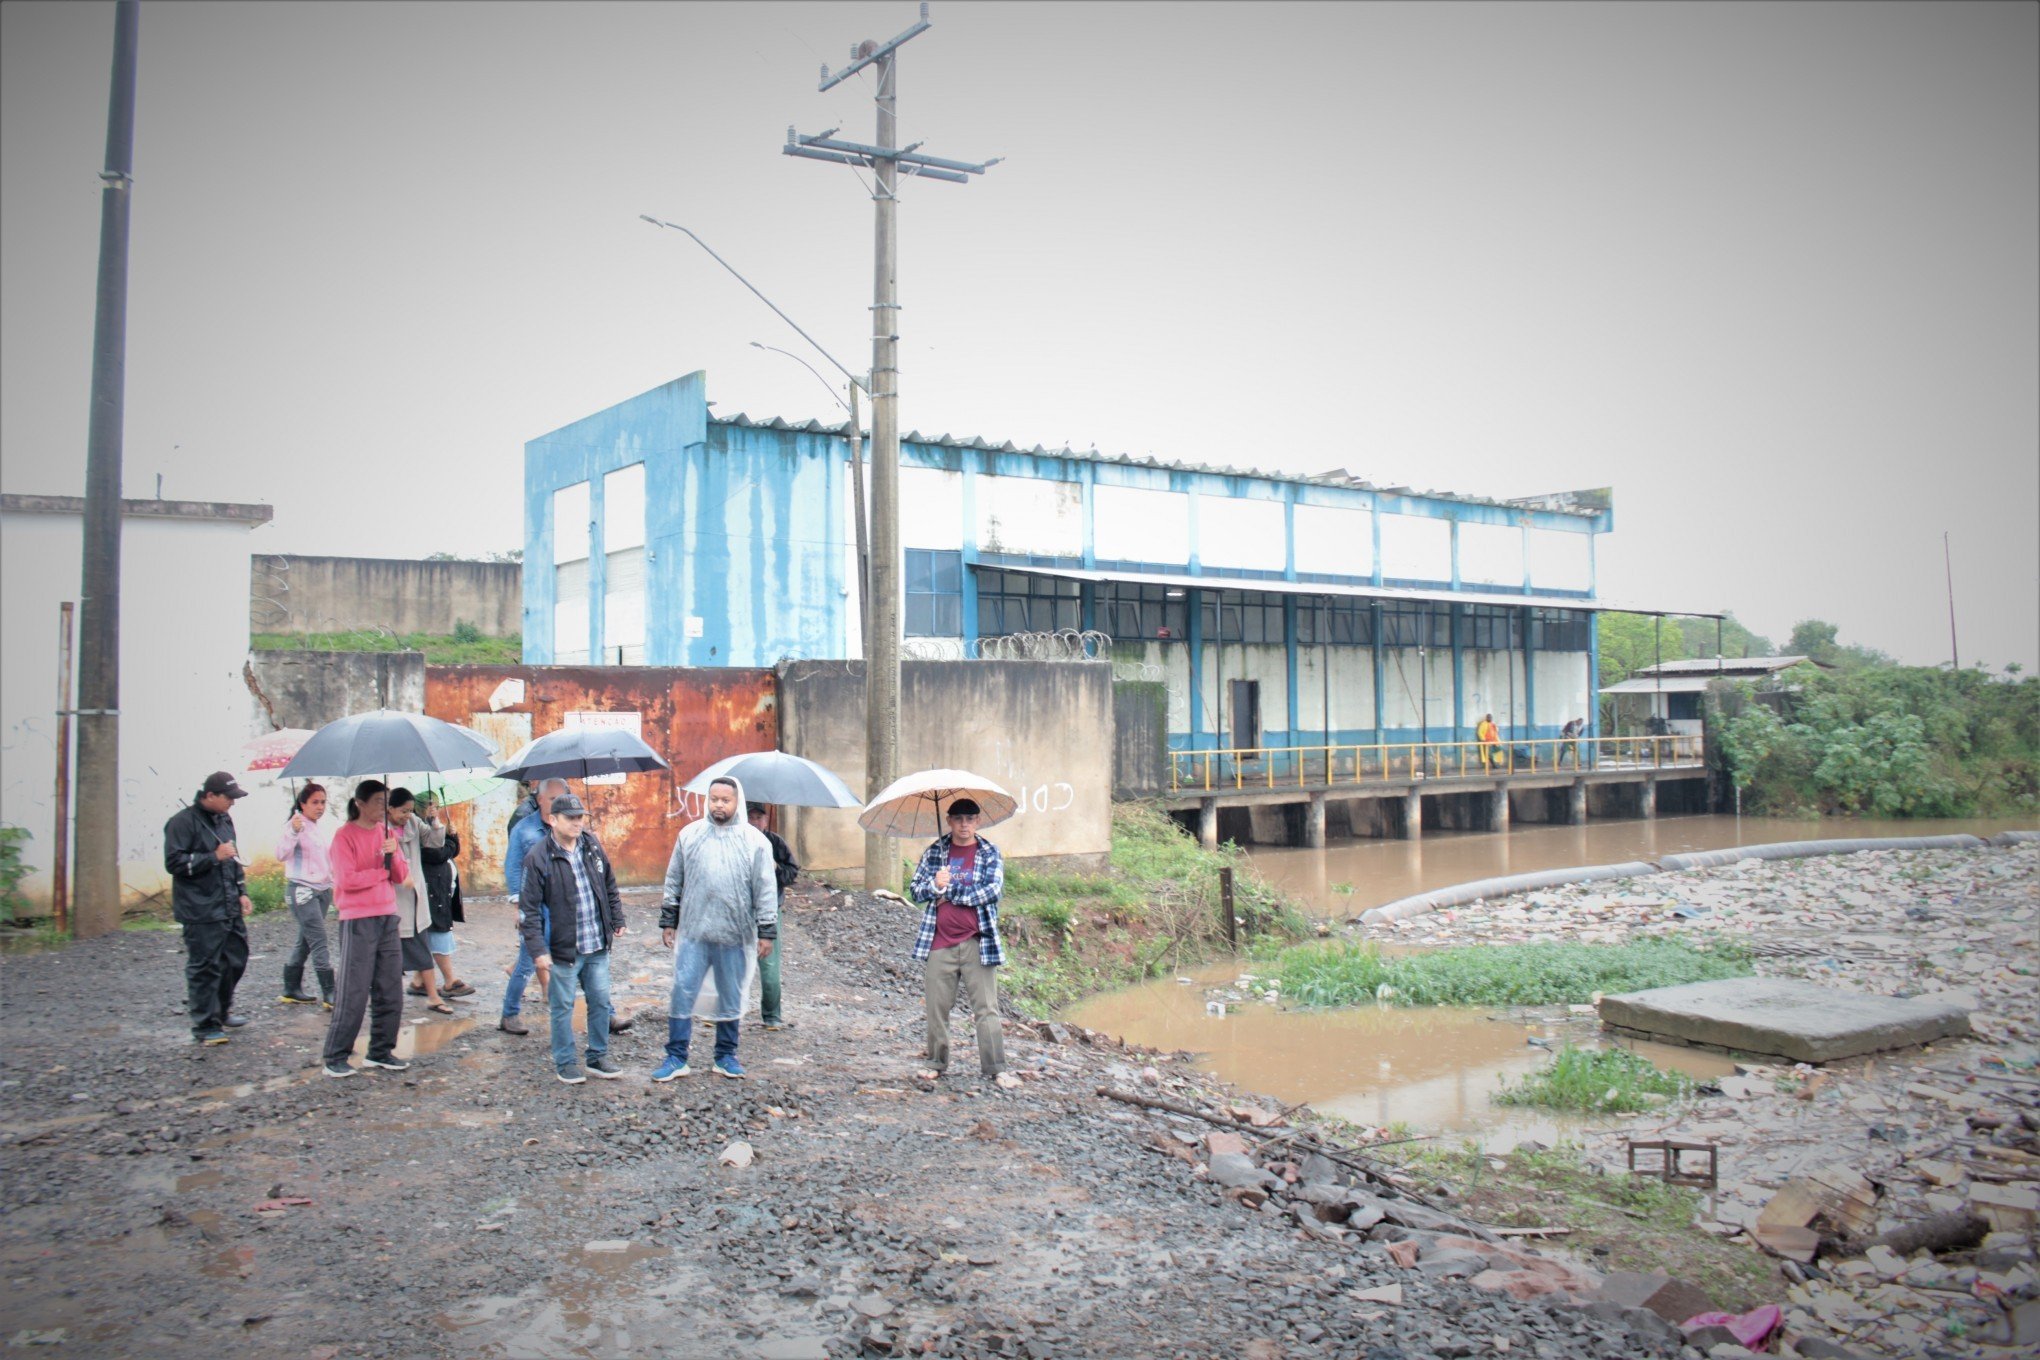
(1490,738)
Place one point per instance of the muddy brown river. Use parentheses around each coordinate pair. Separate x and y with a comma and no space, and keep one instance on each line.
(1435,1069)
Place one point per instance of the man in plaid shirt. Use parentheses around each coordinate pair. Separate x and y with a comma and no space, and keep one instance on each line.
(959,882)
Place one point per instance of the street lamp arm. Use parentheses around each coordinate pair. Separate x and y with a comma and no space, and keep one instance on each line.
(809,367)
(646,217)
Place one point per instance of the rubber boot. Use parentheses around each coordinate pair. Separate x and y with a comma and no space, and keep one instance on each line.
(294,985)
(325,986)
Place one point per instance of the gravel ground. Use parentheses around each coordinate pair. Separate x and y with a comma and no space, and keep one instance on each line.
(473,1206)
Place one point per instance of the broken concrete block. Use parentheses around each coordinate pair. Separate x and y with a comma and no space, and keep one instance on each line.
(2007,1208)
(1674,1300)
(1838,1194)
(1783,1017)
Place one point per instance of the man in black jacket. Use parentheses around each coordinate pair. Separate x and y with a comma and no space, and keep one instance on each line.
(785,869)
(209,894)
(570,914)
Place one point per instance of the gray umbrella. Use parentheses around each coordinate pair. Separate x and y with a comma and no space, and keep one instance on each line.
(381,742)
(578,752)
(775,777)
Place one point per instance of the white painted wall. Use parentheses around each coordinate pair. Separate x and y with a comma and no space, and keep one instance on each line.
(185,710)
(1403,686)
(931,510)
(1495,684)
(1352,688)
(1030,515)
(1242,534)
(1334,540)
(1561,687)
(1134,524)
(1560,561)
(1490,554)
(1416,548)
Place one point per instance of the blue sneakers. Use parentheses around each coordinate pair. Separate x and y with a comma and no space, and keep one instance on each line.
(728,1066)
(669,1069)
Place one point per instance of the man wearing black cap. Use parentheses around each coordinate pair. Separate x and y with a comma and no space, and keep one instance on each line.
(570,914)
(209,894)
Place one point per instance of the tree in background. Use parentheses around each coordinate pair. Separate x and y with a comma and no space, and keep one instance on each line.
(1815,639)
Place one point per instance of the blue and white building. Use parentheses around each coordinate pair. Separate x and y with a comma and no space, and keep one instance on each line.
(1279,610)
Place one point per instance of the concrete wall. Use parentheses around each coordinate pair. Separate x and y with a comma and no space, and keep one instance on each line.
(1042,730)
(1140,738)
(184,707)
(311,689)
(291,594)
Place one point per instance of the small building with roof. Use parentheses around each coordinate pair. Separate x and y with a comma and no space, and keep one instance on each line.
(1278,610)
(1670,691)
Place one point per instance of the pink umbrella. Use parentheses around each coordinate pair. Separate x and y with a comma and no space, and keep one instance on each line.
(273,750)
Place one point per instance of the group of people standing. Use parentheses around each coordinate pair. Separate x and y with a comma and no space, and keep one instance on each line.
(388,873)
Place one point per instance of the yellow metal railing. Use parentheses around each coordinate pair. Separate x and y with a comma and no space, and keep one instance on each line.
(1272,767)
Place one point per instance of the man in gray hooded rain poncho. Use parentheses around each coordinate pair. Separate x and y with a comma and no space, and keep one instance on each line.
(721,902)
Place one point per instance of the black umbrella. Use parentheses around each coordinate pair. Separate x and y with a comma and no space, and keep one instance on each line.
(383,742)
(579,752)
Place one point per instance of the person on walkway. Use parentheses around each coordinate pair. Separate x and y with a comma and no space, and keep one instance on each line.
(209,896)
(525,834)
(442,896)
(959,882)
(785,869)
(1569,736)
(414,911)
(308,890)
(1490,738)
(721,903)
(570,915)
(366,872)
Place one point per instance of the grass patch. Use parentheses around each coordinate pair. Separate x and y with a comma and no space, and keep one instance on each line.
(465,648)
(1496,975)
(1156,909)
(266,888)
(1594,1080)
(1642,1223)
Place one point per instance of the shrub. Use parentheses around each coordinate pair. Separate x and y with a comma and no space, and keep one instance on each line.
(1594,1080)
(1345,974)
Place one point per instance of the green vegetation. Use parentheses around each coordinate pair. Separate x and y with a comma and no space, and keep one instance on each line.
(1345,974)
(465,646)
(1643,1223)
(1885,741)
(13,905)
(1156,910)
(1629,642)
(266,888)
(1595,1080)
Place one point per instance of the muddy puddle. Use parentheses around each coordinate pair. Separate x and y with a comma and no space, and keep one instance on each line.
(1349,876)
(1435,1069)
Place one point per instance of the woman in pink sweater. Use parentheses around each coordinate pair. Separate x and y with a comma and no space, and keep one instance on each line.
(366,869)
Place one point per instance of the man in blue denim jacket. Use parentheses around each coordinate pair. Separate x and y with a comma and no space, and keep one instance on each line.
(959,882)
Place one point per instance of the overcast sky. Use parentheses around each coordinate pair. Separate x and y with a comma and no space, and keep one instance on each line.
(1770,271)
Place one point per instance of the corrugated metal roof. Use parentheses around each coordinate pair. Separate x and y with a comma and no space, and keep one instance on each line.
(1670,684)
(1554,504)
(1732,665)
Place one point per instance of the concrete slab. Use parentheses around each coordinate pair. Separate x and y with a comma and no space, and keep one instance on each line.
(1782,1017)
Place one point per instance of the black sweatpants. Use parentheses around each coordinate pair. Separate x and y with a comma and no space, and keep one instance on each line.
(215,956)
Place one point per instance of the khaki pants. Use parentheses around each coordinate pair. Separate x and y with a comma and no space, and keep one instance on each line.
(945,968)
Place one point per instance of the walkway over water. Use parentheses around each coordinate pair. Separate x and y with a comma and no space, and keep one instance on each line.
(1469,783)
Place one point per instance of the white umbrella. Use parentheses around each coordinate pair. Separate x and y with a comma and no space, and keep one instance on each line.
(916,804)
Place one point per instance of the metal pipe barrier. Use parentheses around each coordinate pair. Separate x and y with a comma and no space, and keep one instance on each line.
(1237,769)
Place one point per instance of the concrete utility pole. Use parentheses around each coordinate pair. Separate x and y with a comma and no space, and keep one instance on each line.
(888,161)
(96,885)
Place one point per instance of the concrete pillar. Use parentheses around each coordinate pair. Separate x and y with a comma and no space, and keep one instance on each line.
(1314,822)
(1413,815)
(1207,824)
(1498,809)
(1576,804)
(1647,797)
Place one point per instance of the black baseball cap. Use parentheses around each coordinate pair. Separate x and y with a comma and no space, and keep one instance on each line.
(965,806)
(567,805)
(219,781)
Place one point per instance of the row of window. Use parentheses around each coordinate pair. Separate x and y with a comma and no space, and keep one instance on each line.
(1020,602)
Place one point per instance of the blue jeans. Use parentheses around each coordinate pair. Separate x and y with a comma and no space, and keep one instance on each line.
(592,972)
(521,971)
(693,962)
